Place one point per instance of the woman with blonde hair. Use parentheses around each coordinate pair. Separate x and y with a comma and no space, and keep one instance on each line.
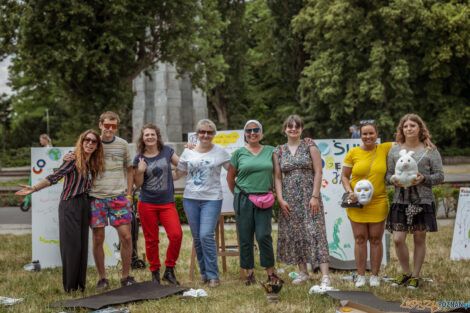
(413,209)
(45,141)
(202,198)
(74,206)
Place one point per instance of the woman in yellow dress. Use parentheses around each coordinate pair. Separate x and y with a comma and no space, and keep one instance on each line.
(368,161)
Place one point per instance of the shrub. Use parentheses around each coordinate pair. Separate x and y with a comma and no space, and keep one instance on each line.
(16,157)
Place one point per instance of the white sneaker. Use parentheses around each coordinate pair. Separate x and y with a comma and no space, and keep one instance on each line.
(374,281)
(360,281)
(325,282)
(303,277)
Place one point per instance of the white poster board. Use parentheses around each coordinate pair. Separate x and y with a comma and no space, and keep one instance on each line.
(461,241)
(45,220)
(338,226)
(230,140)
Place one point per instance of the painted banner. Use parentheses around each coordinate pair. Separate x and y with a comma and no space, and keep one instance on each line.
(461,241)
(45,204)
(338,227)
(230,140)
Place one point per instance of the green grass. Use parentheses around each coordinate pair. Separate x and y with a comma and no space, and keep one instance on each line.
(40,290)
(14,182)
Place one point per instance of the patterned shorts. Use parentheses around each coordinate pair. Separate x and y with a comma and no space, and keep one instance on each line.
(117,209)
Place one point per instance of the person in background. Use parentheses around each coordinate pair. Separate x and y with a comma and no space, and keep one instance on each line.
(368,161)
(74,206)
(297,179)
(413,209)
(354,131)
(202,198)
(152,166)
(252,166)
(45,141)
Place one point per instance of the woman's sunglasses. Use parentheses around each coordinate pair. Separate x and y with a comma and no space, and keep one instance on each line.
(206,132)
(292,126)
(252,130)
(367,122)
(88,140)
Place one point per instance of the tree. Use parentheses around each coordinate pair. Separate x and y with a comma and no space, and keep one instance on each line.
(5,116)
(91,51)
(382,59)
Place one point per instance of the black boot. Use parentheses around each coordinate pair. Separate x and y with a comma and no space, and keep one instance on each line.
(169,276)
(156,276)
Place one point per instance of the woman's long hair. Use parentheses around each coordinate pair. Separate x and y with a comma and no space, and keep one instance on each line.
(140,141)
(96,161)
(424,135)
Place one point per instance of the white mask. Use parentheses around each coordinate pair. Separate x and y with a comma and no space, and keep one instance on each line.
(364,191)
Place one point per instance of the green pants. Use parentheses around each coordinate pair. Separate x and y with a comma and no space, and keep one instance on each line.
(252,220)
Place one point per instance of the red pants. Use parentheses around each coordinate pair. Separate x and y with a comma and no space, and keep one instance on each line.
(149,215)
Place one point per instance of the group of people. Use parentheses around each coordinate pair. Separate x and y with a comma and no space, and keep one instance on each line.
(413,209)
(100,175)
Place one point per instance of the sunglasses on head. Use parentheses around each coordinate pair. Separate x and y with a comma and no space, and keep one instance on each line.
(88,140)
(206,132)
(109,126)
(366,122)
(292,126)
(252,130)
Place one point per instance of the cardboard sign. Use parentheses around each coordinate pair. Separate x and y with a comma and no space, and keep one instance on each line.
(461,241)
(45,219)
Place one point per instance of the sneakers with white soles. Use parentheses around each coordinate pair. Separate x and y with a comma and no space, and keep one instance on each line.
(360,281)
(303,277)
(325,282)
(374,281)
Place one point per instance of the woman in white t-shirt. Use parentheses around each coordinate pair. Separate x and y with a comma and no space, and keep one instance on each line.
(202,198)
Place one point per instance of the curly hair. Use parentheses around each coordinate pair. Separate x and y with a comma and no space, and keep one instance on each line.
(140,141)
(424,135)
(96,161)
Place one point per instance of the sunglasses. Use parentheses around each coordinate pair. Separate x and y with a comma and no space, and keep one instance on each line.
(206,132)
(109,126)
(253,130)
(292,126)
(366,122)
(88,140)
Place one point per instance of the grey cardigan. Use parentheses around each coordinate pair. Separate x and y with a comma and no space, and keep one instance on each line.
(430,167)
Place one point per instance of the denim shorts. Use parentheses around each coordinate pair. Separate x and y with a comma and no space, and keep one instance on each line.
(117,209)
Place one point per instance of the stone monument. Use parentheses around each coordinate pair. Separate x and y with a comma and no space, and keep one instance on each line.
(169,102)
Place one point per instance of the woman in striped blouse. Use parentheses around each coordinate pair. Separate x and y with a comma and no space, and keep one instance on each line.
(74,206)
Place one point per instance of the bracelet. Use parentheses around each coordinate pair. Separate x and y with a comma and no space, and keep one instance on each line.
(316,197)
(35,188)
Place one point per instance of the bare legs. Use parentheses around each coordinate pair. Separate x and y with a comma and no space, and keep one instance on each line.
(401,249)
(373,233)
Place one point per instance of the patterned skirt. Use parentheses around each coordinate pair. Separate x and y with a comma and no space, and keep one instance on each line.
(397,219)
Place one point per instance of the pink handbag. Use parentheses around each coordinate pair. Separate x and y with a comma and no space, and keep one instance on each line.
(262,201)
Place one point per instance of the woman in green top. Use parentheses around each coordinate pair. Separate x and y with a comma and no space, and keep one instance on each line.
(252,165)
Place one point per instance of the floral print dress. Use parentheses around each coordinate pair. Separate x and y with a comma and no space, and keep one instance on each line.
(302,236)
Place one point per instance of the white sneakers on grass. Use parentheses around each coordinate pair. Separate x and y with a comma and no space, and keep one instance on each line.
(360,281)
(325,282)
(303,277)
(374,281)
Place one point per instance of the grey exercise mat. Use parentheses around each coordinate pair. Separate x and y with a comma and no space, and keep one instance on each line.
(136,292)
(369,299)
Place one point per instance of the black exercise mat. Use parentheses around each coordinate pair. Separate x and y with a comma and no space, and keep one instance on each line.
(369,299)
(137,292)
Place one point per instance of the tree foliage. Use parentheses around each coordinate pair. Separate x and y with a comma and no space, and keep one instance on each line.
(86,53)
(382,59)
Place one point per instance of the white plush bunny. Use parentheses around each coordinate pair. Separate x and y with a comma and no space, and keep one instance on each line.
(406,168)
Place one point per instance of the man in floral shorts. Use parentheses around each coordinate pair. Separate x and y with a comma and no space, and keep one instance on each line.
(110,201)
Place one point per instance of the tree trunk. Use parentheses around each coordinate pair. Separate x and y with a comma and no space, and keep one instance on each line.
(220,107)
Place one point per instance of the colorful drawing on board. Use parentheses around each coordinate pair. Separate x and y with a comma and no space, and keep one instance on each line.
(330,163)
(51,242)
(226,139)
(324,148)
(54,154)
(334,247)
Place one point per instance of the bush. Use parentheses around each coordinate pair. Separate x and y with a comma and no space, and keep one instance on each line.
(16,157)
(9,199)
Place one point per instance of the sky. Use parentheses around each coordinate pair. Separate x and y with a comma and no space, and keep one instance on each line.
(4,76)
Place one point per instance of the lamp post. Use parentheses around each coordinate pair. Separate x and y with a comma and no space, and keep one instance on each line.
(47,121)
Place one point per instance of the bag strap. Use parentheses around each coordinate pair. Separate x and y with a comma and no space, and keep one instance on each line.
(370,166)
